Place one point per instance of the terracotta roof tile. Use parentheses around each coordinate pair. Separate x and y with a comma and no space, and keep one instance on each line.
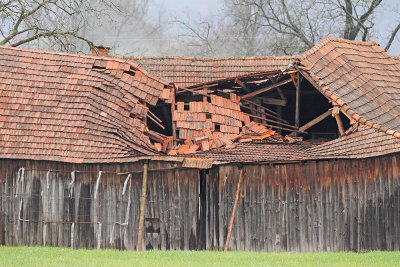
(364,143)
(72,108)
(186,71)
(360,76)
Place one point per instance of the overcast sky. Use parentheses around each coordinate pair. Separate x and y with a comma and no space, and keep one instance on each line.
(385,20)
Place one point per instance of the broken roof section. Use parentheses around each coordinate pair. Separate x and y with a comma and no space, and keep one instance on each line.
(359,80)
(187,71)
(360,77)
(74,108)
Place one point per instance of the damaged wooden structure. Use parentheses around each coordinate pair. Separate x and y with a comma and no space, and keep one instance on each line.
(264,154)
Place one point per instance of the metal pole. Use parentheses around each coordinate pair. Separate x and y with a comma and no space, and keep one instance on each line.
(142,206)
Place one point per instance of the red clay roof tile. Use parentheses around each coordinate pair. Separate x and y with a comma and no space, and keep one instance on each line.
(70,108)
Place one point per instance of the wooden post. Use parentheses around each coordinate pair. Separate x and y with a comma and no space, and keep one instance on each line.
(142,206)
(297,115)
(335,113)
(173,123)
(228,238)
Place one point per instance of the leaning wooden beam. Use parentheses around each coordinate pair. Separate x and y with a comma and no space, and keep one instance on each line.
(293,79)
(154,116)
(244,87)
(206,86)
(142,206)
(263,113)
(228,238)
(335,113)
(272,121)
(340,125)
(195,92)
(315,121)
(265,89)
(257,105)
(160,138)
(278,127)
(156,122)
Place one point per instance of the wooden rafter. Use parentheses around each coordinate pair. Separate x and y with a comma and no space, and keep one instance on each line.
(274,101)
(265,89)
(315,121)
(267,110)
(242,85)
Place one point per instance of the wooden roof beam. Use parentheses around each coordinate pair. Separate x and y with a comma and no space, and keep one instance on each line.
(315,121)
(265,89)
(244,87)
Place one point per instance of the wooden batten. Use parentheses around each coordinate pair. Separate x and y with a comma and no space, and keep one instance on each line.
(265,89)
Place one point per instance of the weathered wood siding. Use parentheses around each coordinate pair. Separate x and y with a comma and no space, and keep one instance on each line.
(55,204)
(338,205)
(310,206)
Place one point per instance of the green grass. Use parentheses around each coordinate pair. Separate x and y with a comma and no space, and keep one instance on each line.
(39,256)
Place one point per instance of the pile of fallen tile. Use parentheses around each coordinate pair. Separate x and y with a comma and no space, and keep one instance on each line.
(210,140)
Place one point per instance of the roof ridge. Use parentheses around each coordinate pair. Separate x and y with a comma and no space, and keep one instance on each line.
(209,59)
(330,39)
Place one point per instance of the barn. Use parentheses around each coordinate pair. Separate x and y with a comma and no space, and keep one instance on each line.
(264,154)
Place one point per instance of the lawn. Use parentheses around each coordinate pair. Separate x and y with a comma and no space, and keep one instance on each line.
(39,256)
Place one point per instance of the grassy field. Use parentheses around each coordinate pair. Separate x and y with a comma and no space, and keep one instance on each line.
(39,256)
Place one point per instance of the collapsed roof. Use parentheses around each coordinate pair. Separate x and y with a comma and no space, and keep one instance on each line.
(76,108)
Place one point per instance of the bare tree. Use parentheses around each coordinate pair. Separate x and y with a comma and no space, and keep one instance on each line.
(288,27)
(231,33)
(54,22)
(136,28)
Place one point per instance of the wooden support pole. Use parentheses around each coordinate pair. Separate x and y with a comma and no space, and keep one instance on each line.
(173,119)
(142,206)
(340,124)
(335,113)
(297,115)
(228,238)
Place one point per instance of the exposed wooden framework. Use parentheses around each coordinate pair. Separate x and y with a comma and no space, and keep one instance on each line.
(274,101)
(265,89)
(316,120)
(335,113)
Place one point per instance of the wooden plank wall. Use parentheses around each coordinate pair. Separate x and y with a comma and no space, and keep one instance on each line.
(342,205)
(336,205)
(55,204)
